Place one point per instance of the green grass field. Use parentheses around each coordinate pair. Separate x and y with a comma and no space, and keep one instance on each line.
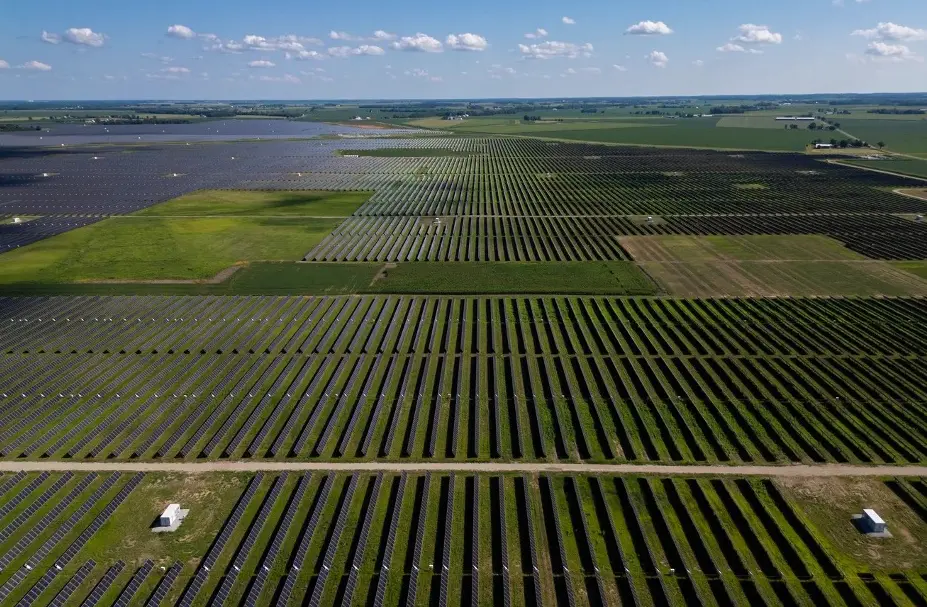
(906,166)
(905,136)
(160,248)
(247,202)
(615,277)
(649,130)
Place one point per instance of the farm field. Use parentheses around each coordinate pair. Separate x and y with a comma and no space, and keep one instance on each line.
(908,166)
(691,132)
(765,266)
(556,379)
(458,539)
(904,136)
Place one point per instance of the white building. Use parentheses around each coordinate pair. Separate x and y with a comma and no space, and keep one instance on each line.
(170,515)
(823,146)
(872,522)
(805,118)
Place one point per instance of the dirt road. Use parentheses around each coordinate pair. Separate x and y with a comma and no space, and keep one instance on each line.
(830,470)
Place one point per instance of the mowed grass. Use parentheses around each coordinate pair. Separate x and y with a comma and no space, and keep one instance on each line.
(707,266)
(829,504)
(161,248)
(616,277)
(256,203)
(304,278)
(193,237)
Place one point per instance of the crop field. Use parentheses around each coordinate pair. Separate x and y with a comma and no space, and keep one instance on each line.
(446,539)
(647,130)
(575,379)
(706,266)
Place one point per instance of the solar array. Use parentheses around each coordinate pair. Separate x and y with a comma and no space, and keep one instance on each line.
(591,378)
(462,539)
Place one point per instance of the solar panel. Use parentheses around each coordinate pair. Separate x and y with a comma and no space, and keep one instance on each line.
(164,586)
(73,584)
(34,507)
(270,557)
(128,593)
(209,561)
(36,530)
(103,586)
(244,549)
(333,543)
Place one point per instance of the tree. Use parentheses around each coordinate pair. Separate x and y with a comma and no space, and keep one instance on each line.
(833,142)
(881,144)
(844,143)
(813,126)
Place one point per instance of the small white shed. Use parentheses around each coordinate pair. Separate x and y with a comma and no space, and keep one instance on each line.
(170,515)
(872,522)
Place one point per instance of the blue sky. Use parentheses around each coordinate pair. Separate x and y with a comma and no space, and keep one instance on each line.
(288,49)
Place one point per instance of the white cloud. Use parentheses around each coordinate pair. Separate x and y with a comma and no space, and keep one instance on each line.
(419,42)
(841,3)
(698,63)
(467,42)
(553,48)
(305,55)
(261,63)
(537,34)
(286,79)
(658,58)
(892,32)
(891,52)
(4,65)
(383,35)
(649,28)
(289,43)
(619,68)
(175,70)
(36,66)
(181,31)
(84,36)
(347,51)
(730,47)
(757,34)
(569,21)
